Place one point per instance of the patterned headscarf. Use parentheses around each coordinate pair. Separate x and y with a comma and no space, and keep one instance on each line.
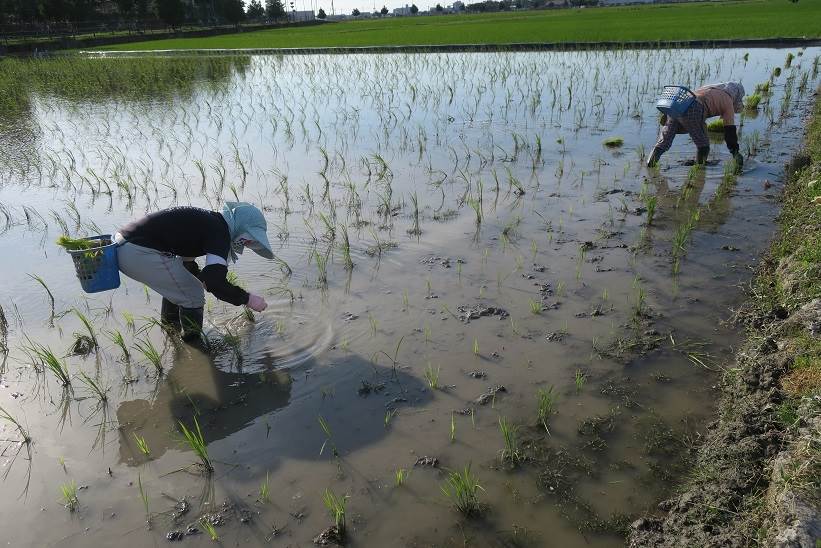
(734,90)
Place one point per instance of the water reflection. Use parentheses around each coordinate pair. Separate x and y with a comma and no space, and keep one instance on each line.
(254,410)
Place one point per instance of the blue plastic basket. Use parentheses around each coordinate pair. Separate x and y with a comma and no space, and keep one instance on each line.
(675,100)
(97,268)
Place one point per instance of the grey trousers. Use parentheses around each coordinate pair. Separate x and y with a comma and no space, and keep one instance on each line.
(162,272)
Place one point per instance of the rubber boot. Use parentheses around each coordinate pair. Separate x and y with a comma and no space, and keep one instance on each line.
(170,315)
(191,319)
(701,155)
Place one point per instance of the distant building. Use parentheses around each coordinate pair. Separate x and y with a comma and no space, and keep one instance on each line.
(458,6)
(307,15)
(402,11)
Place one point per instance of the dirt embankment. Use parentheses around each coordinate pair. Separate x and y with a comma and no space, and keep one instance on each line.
(757,477)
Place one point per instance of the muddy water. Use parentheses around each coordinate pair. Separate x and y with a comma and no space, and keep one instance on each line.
(589,290)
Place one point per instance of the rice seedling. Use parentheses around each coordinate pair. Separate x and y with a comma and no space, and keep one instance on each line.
(209,528)
(196,442)
(49,361)
(129,321)
(613,142)
(323,424)
(89,328)
(346,249)
(143,498)
(374,324)
(399,477)
(68,494)
(4,332)
(580,379)
(452,428)
(149,351)
(42,282)
(650,203)
(716,126)
(510,452)
(142,445)
(9,418)
(336,509)
(415,230)
(432,376)
(788,61)
(96,389)
(752,101)
(117,338)
(389,414)
(265,490)
(535,306)
(546,400)
(475,346)
(462,490)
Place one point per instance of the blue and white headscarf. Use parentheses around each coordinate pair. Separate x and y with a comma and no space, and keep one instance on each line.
(245,220)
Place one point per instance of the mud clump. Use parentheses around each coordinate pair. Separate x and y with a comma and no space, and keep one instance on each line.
(331,536)
(490,395)
(430,462)
(467,313)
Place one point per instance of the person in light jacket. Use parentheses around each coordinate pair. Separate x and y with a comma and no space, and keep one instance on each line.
(725,100)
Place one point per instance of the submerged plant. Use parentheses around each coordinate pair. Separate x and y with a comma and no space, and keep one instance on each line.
(94,387)
(68,493)
(650,204)
(196,442)
(336,508)
(613,142)
(510,452)
(432,377)
(6,416)
(462,489)
(265,490)
(328,436)
(49,361)
(42,282)
(209,528)
(580,379)
(149,351)
(142,445)
(546,406)
(143,497)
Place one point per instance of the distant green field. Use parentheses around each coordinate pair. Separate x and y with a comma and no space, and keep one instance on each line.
(668,22)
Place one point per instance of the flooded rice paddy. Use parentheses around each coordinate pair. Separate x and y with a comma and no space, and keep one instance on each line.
(455,245)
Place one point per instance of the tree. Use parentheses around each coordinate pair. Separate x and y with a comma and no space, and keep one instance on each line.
(232,11)
(321,14)
(255,10)
(384,10)
(125,8)
(355,12)
(171,12)
(439,8)
(274,9)
(414,9)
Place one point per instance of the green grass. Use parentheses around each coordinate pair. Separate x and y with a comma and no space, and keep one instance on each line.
(692,21)
(462,489)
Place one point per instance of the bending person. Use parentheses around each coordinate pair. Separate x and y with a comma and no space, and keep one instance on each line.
(160,249)
(723,100)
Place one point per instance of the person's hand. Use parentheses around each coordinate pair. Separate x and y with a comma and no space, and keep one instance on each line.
(739,162)
(256,303)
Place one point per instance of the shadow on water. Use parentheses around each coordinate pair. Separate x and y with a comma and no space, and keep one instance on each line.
(255,412)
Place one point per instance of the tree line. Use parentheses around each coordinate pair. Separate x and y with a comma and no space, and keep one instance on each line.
(173,13)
